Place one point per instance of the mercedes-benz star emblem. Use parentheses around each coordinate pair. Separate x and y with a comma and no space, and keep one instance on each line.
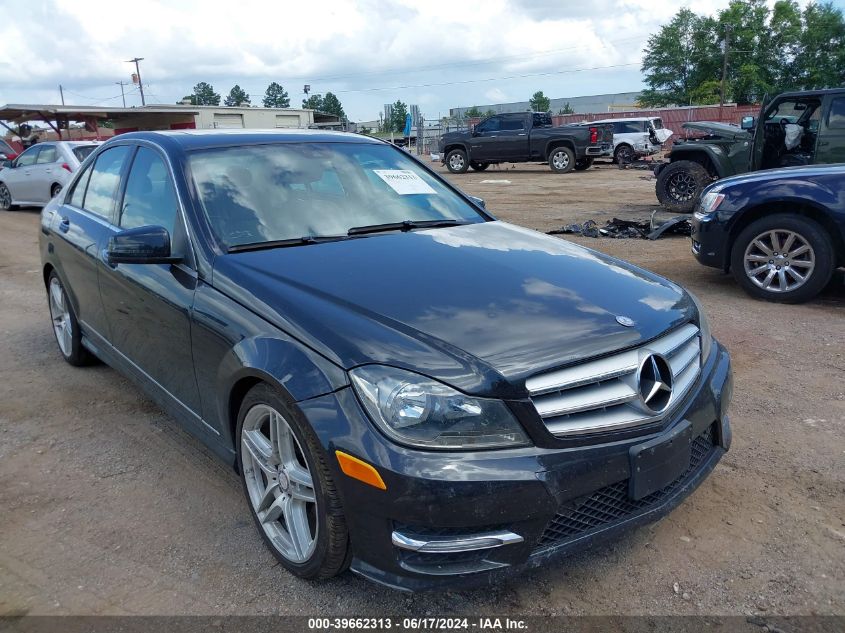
(655,383)
(625,321)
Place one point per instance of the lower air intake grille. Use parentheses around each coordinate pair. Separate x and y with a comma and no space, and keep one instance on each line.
(611,504)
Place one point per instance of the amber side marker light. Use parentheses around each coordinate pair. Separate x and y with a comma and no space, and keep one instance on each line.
(360,470)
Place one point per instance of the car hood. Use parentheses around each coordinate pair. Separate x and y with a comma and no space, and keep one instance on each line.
(722,130)
(479,306)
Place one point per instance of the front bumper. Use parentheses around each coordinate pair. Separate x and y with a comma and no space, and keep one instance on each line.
(530,504)
(710,240)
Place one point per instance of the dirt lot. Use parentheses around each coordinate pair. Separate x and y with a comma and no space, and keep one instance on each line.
(107,507)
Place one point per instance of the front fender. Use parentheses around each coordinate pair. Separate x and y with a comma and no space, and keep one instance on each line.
(715,155)
(280,361)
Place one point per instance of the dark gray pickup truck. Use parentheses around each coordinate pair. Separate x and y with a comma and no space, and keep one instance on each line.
(525,137)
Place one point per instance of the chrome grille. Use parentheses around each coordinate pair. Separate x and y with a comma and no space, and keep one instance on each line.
(603,395)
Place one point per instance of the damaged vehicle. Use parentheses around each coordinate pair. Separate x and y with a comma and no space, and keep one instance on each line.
(797,128)
(406,386)
(634,137)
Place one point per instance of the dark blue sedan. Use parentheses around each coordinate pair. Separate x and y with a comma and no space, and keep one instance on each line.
(405,385)
(781,232)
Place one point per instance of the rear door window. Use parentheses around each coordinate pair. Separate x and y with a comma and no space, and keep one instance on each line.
(104,182)
(836,116)
(513,125)
(77,196)
(48,154)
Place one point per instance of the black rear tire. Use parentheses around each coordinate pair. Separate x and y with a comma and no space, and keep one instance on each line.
(583,163)
(55,190)
(806,230)
(679,185)
(457,162)
(333,553)
(476,166)
(562,160)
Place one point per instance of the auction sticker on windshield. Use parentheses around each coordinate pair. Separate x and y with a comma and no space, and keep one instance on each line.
(403,182)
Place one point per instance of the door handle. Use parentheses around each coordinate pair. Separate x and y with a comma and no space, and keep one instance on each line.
(64,225)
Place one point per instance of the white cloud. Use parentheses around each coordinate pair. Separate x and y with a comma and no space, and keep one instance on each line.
(350,48)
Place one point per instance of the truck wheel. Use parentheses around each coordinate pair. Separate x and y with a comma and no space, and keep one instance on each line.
(583,163)
(624,155)
(478,166)
(562,160)
(679,185)
(784,258)
(456,161)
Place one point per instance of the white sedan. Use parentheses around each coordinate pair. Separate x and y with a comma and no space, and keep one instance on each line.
(39,173)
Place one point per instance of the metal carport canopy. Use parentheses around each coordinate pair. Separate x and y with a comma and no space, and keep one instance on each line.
(21,113)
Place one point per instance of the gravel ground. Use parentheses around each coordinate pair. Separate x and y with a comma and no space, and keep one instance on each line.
(108,507)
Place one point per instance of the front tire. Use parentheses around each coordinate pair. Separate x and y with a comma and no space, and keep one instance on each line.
(289,488)
(65,325)
(679,185)
(476,166)
(5,198)
(624,155)
(457,162)
(783,258)
(55,190)
(562,160)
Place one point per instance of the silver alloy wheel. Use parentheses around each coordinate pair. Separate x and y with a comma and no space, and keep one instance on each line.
(61,317)
(279,483)
(779,260)
(456,161)
(5,198)
(560,159)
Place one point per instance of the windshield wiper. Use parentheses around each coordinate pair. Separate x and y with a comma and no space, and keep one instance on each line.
(305,240)
(405,225)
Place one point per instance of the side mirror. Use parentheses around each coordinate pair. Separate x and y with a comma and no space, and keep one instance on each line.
(142,245)
(747,123)
(478,201)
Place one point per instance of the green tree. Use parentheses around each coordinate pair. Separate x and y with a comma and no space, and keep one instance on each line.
(489,113)
(540,102)
(313,102)
(237,97)
(472,113)
(678,58)
(276,97)
(820,62)
(706,93)
(366,130)
(203,95)
(331,105)
(397,117)
(566,109)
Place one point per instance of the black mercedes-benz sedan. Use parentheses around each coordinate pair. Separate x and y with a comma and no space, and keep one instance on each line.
(405,385)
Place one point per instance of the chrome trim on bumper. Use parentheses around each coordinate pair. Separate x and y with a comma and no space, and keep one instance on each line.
(487,540)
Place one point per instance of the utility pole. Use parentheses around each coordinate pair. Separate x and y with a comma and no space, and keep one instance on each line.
(725,65)
(138,74)
(122,94)
(62,94)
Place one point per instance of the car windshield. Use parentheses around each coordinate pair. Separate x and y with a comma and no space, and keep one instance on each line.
(83,151)
(258,194)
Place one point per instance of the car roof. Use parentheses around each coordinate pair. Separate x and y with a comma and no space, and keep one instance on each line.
(626,118)
(199,139)
(812,93)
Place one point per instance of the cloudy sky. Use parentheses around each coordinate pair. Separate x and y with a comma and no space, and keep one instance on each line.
(436,53)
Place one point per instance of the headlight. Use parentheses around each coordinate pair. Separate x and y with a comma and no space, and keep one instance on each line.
(711,201)
(418,411)
(704,328)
